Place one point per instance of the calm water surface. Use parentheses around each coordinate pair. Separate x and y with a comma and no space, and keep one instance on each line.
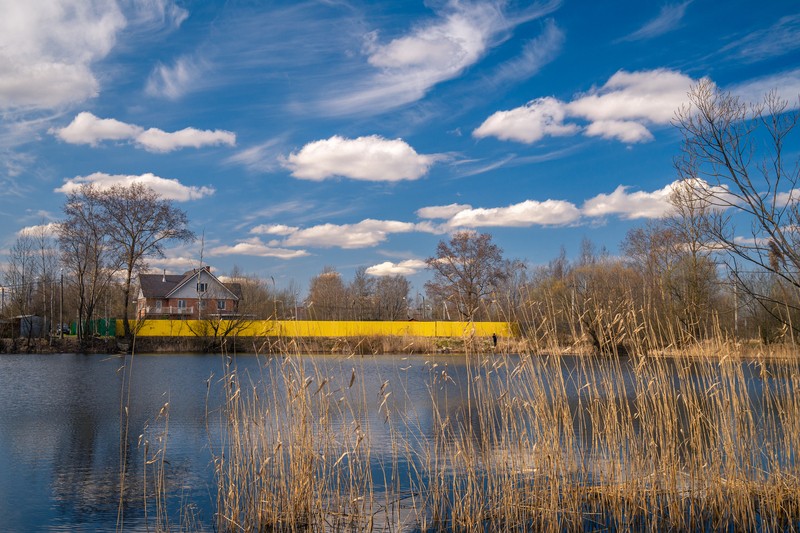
(60,435)
(60,430)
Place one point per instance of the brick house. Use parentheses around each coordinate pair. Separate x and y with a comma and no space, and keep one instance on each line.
(192,295)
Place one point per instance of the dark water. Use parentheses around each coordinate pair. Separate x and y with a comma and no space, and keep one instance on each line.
(61,440)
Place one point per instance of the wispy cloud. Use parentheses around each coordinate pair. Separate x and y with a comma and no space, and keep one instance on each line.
(169,189)
(405,68)
(668,19)
(779,39)
(785,84)
(536,53)
(175,80)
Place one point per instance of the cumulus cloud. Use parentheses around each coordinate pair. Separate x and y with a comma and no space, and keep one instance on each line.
(621,109)
(86,128)
(529,123)
(257,248)
(170,189)
(630,205)
(527,213)
(403,268)
(667,20)
(442,211)
(274,229)
(371,158)
(363,234)
(430,53)
(651,96)
(156,140)
(47,50)
(623,130)
(47,230)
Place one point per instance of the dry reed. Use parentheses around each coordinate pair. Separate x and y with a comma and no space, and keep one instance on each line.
(621,439)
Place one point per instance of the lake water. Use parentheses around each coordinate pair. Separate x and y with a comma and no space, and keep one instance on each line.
(60,430)
(61,436)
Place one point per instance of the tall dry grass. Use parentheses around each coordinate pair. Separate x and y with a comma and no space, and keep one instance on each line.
(644,435)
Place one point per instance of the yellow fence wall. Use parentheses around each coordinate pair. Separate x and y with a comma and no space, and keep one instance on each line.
(322,328)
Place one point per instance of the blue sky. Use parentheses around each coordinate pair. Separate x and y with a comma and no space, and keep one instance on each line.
(358,134)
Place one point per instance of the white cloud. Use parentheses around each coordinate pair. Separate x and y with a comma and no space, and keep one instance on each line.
(257,248)
(529,123)
(403,268)
(536,53)
(639,204)
(156,140)
(274,229)
(442,211)
(652,96)
(785,84)
(86,128)
(667,20)
(781,38)
(430,53)
(371,158)
(527,213)
(172,82)
(620,109)
(47,50)
(169,189)
(363,234)
(367,233)
(48,230)
(624,130)
(261,157)
(152,15)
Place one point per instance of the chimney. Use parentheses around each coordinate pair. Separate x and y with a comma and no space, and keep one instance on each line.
(164,276)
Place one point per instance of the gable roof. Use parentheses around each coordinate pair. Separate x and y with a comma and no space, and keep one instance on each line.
(163,285)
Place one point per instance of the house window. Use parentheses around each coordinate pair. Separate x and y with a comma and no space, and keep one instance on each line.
(202,287)
(201,304)
(158,305)
(221,305)
(181,304)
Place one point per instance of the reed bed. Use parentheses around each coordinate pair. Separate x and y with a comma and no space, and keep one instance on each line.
(704,439)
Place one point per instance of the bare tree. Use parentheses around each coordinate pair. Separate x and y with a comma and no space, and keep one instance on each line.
(361,292)
(19,274)
(139,223)
(466,270)
(327,296)
(391,297)
(86,251)
(734,159)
